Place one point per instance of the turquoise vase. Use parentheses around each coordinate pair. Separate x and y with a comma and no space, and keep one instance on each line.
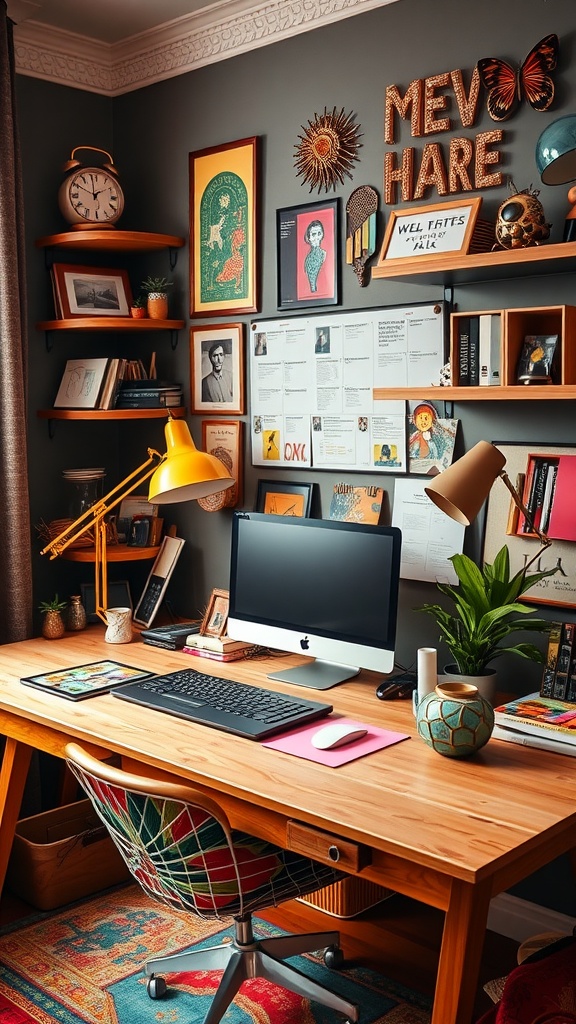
(455,720)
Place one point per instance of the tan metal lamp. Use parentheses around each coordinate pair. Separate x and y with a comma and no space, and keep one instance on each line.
(182,474)
(461,490)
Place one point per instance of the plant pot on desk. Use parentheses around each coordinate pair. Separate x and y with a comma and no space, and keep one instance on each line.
(486,684)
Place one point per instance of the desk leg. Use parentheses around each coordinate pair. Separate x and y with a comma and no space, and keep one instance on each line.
(13,774)
(461,953)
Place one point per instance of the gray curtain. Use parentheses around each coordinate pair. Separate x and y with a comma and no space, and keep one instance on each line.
(15,533)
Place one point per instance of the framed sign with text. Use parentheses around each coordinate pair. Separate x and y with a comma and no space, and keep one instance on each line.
(438,229)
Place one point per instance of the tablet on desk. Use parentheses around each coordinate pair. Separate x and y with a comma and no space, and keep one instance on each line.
(83,681)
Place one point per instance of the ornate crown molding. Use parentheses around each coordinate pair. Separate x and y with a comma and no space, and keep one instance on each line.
(212,34)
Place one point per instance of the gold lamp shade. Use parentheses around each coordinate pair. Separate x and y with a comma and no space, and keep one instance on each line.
(186,473)
(461,490)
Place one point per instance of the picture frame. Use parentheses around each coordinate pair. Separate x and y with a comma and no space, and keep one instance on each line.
(208,394)
(216,615)
(90,291)
(558,590)
(433,230)
(536,364)
(224,209)
(223,438)
(303,233)
(280,498)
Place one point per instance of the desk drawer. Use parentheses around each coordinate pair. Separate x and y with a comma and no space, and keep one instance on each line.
(325,847)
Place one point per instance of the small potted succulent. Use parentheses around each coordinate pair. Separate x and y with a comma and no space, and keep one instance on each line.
(138,307)
(53,624)
(156,290)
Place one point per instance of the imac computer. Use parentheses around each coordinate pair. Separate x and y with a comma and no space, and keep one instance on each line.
(317,587)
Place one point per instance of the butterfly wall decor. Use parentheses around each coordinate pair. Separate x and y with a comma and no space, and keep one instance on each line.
(507,85)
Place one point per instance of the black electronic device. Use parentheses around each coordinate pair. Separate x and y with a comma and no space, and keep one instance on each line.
(398,688)
(172,637)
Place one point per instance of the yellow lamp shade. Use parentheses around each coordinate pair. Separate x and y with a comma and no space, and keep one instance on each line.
(461,490)
(186,473)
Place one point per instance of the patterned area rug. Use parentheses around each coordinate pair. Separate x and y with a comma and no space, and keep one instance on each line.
(82,965)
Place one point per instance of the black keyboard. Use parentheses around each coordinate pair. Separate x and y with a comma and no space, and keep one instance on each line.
(223,703)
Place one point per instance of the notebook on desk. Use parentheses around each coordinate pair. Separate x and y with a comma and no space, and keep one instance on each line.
(225,704)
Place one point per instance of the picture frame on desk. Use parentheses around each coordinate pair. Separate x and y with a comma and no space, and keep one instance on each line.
(279,498)
(216,615)
(558,590)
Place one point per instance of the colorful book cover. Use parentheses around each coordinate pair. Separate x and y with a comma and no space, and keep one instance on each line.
(534,714)
(352,504)
(554,635)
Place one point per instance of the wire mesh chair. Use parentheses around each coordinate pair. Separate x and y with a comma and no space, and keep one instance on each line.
(178,845)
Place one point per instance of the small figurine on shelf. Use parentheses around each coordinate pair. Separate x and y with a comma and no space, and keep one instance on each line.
(520,221)
(52,624)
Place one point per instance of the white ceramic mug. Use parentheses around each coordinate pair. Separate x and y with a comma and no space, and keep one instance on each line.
(119,625)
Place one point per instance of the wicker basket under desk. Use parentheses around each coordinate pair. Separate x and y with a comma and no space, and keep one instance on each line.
(348,897)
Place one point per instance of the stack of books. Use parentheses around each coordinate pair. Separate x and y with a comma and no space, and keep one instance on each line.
(536,721)
(148,394)
(219,648)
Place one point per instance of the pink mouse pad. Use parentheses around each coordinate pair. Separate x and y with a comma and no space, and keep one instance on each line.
(299,742)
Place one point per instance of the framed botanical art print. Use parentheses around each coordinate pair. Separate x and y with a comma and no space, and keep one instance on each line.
(307,242)
(279,498)
(223,438)
(223,229)
(217,368)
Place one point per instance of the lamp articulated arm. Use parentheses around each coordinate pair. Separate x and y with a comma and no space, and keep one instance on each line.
(544,539)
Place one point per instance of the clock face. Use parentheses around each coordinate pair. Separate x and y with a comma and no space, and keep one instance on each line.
(91,195)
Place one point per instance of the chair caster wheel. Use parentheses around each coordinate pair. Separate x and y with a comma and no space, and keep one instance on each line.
(156,987)
(333,957)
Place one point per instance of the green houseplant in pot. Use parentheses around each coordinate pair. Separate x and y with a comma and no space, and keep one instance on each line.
(156,290)
(486,613)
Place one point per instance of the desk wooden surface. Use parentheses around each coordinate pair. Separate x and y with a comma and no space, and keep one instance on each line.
(447,832)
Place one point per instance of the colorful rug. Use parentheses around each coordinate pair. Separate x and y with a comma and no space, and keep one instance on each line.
(83,965)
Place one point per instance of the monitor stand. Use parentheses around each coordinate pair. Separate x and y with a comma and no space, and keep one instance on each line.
(317,674)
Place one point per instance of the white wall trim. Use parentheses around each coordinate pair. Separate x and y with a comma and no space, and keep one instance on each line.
(520,920)
(214,33)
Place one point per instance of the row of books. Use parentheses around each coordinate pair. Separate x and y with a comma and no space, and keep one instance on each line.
(112,383)
(538,721)
(548,494)
(559,676)
(185,636)
(479,338)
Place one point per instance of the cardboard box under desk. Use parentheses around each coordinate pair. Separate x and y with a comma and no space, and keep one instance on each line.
(348,897)
(63,855)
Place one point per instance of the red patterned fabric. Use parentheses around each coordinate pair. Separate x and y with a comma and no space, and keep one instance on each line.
(542,990)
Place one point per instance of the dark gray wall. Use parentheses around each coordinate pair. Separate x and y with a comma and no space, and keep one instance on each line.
(271,93)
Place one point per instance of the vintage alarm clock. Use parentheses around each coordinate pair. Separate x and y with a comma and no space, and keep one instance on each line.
(90,197)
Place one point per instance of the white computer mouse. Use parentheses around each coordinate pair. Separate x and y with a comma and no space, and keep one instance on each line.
(336,735)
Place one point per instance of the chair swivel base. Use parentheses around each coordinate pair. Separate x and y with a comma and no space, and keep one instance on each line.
(246,957)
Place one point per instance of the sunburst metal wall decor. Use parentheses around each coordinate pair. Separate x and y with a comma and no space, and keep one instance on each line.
(327,149)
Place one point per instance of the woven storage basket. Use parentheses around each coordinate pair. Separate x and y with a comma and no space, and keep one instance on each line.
(348,897)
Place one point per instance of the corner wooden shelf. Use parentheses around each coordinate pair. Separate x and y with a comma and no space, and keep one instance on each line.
(110,240)
(486,266)
(114,553)
(110,323)
(516,392)
(111,414)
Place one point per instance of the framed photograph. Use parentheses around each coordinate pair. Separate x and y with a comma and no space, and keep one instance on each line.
(223,229)
(278,498)
(560,589)
(217,368)
(216,616)
(91,291)
(536,363)
(440,228)
(223,438)
(307,248)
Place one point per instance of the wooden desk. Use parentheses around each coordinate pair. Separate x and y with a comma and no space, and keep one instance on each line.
(451,834)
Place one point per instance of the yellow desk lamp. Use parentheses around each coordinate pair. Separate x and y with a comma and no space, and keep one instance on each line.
(182,474)
(461,490)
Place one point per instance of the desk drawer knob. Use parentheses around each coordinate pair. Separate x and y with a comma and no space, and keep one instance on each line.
(334,853)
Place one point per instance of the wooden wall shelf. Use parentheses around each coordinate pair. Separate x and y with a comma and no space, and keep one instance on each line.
(517,392)
(114,553)
(486,266)
(111,414)
(110,323)
(110,240)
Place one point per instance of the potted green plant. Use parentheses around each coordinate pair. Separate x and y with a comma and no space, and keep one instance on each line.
(138,307)
(156,290)
(53,624)
(486,612)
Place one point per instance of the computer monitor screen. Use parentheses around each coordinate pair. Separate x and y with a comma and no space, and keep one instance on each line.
(318,587)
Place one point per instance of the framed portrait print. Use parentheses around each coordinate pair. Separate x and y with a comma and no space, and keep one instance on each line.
(90,291)
(307,247)
(217,368)
(223,438)
(223,229)
(216,615)
(279,498)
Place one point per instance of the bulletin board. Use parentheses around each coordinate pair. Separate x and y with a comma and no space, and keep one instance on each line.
(312,381)
(559,589)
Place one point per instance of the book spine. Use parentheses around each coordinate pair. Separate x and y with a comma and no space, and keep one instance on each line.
(489,346)
(536,727)
(564,661)
(547,684)
(501,732)
(215,655)
(463,351)
(474,351)
(548,498)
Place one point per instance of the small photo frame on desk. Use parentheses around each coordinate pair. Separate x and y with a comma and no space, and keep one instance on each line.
(216,615)
(279,498)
